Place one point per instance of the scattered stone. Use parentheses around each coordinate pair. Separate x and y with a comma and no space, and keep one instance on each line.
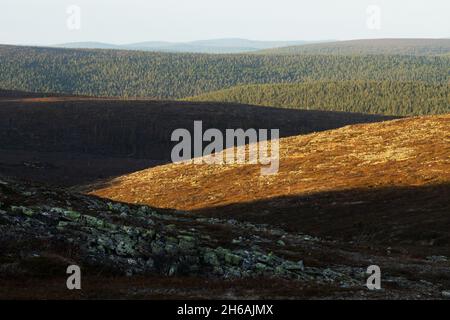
(260,267)
(172,270)
(93,222)
(187,243)
(24,210)
(72,215)
(232,259)
(157,248)
(135,240)
(150,263)
(437,258)
(211,258)
(125,248)
(62,225)
(292,266)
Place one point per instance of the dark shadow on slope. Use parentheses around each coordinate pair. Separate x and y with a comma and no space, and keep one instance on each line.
(131,134)
(416,217)
(65,169)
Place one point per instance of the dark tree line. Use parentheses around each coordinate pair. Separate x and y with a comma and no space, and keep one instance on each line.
(378,97)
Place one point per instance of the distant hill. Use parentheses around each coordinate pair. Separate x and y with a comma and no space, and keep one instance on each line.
(88,45)
(202,46)
(177,75)
(389,98)
(371,46)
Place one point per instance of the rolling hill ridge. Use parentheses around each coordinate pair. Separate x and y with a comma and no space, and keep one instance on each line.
(335,183)
(74,140)
(371,47)
(219,46)
(173,76)
(389,98)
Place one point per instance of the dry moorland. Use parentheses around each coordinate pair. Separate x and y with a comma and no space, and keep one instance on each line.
(386,183)
(399,153)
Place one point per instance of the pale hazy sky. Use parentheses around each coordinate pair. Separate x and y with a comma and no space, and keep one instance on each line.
(126,21)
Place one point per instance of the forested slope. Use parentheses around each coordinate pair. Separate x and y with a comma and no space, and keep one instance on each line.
(418,47)
(385,97)
(165,75)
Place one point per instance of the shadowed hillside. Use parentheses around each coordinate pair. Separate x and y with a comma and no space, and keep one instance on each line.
(74,140)
(411,217)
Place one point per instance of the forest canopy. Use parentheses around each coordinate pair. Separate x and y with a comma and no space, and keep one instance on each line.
(384,97)
(173,76)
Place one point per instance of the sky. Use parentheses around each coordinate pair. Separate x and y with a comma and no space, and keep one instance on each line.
(47,22)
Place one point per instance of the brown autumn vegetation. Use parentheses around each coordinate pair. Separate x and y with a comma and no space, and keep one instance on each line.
(409,152)
(387,181)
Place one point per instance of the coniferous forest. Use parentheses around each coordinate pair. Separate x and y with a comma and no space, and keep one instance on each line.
(175,76)
(377,97)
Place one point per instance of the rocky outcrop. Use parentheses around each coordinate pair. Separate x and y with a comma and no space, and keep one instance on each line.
(44,230)
(133,240)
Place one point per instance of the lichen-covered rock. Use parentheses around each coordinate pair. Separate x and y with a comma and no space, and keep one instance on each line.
(125,247)
(292,266)
(186,242)
(157,247)
(62,225)
(232,272)
(93,221)
(232,259)
(23,210)
(135,240)
(72,215)
(211,258)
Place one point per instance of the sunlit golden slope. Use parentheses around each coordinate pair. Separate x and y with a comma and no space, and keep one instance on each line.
(406,152)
